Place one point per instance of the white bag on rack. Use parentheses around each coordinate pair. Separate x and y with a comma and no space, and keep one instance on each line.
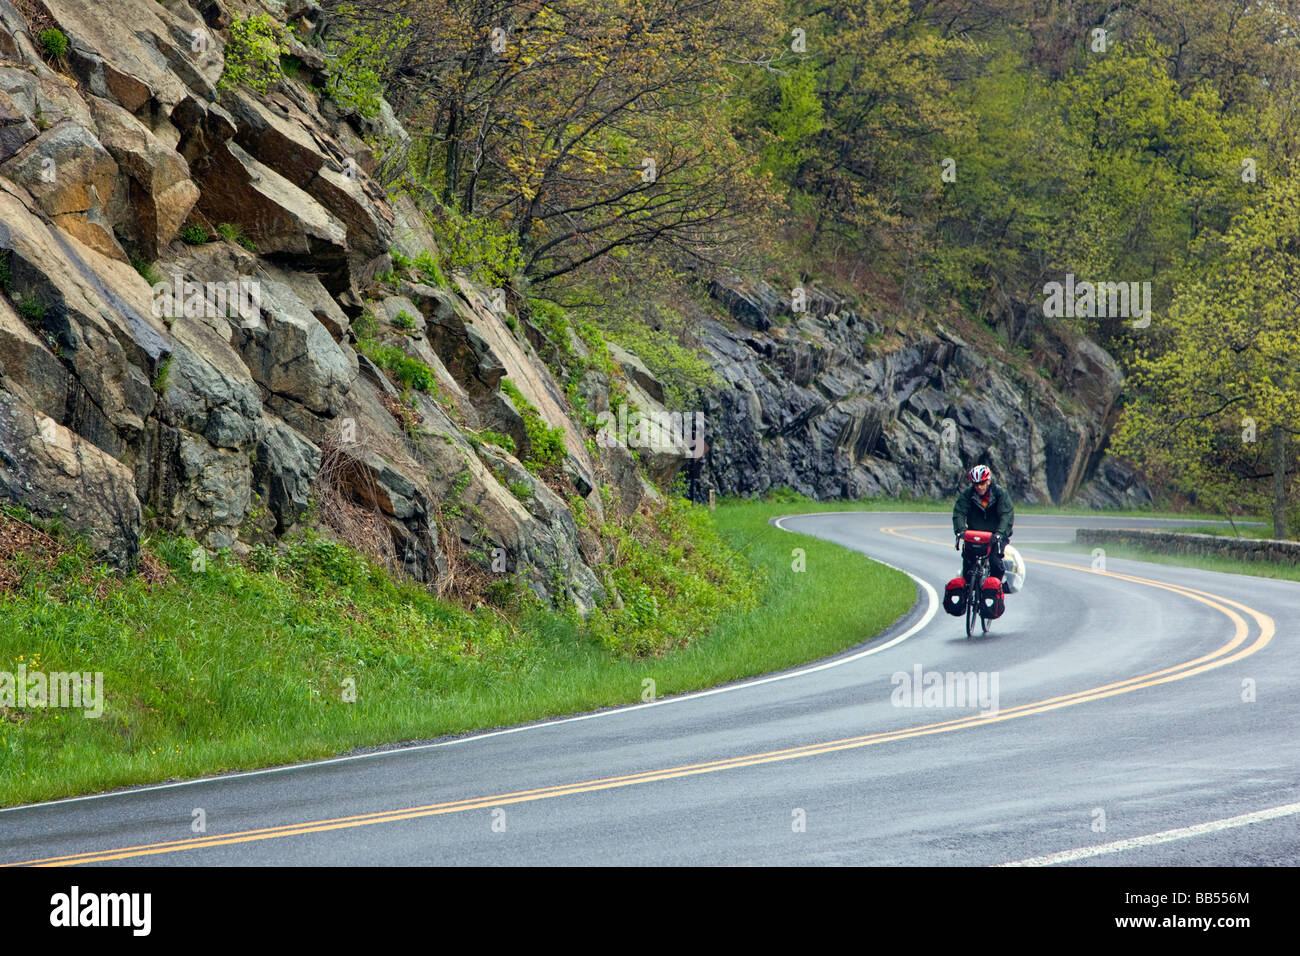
(1014,577)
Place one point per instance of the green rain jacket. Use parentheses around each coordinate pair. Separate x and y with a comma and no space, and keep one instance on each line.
(970,513)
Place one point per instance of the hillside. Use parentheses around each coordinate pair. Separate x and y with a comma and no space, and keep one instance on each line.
(214,322)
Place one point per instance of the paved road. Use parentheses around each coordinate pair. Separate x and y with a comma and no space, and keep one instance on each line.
(1140,715)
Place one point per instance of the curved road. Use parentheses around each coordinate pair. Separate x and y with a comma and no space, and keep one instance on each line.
(1139,715)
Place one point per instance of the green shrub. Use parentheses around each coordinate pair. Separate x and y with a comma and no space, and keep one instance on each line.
(428,267)
(496,438)
(546,444)
(483,248)
(451,503)
(55,42)
(594,339)
(253,55)
(400,261)
(404,321)
(365,326)
(554,323)
(581,517)
(521,490)
(317,565)
(194,235)
(564,360)
(683,371)
(411,372)
(675,575)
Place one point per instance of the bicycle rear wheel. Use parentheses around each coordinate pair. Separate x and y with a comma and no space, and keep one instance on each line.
(972,609)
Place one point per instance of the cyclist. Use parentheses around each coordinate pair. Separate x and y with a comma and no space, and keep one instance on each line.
(983,507)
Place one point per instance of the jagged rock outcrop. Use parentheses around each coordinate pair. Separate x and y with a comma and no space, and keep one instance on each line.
(229,394)
(815,401)
(155,179)
(58,474)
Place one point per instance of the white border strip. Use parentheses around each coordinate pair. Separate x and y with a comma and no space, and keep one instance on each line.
(1165,836)
(931,596)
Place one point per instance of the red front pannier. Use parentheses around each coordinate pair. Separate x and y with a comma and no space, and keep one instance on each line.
(954,597)
(992,599)
(977,542)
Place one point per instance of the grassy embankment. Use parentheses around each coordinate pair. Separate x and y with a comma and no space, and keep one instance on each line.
(243,665)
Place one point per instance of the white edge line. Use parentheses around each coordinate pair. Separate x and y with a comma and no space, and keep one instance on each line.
(1165,836)
(933,608)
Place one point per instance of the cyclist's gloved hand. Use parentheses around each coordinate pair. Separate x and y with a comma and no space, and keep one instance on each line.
(957,545)
(998,543)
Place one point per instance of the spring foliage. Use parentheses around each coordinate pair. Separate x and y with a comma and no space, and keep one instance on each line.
(253,54)
(937,157)
(1216,397)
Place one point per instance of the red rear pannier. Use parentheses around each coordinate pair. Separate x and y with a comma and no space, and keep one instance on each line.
(954,597)
(991,598)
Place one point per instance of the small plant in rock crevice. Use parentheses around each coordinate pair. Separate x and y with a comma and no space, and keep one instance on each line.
(55,43)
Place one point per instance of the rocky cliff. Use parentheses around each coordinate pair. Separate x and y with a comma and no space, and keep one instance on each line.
(220,386)
(824,402)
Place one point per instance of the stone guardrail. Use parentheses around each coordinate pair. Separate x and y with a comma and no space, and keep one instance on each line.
(1172,542)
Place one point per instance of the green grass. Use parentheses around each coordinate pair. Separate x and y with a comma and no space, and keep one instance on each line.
(194,235)
(148,271)
(945,504)
(31,308)
(160,380)
(233,233)
(245,665)
(1255,530)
